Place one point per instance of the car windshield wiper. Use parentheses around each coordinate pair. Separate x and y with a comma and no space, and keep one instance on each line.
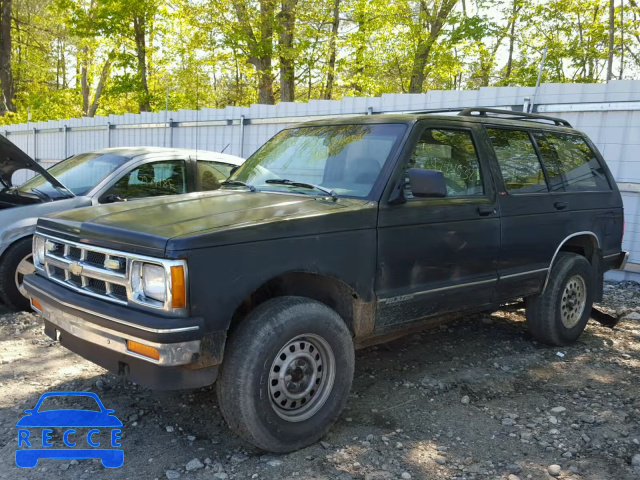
(239,183)
(284,181)
(41,194)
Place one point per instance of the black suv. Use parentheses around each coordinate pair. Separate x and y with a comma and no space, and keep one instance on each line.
(335,234)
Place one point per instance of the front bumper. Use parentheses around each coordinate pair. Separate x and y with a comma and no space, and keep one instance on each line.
(99,332)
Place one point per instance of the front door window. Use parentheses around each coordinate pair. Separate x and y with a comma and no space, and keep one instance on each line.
(152,180)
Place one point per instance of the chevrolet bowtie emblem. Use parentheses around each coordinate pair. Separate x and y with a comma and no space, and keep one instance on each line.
(75,268)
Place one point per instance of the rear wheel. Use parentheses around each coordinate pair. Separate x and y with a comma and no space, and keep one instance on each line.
(287,374)
(560,314)
(17,262)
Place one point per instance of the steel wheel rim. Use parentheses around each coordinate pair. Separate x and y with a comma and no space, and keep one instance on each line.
(301,377)
(25,267)
(573,302)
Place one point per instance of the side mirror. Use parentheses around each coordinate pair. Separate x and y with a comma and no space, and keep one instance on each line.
(113,198)
(427,183)
(233,170)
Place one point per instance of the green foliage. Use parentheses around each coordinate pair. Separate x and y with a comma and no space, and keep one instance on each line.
(213,53)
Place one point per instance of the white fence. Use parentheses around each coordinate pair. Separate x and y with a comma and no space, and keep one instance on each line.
(608,113)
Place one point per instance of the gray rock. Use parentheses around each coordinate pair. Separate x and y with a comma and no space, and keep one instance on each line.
(513,477)
(325,445)
(274,463)
(508,422)
(635,461)
(220,476)
(558,410)
(440,460)
(405,476)
(238,458)
(172,474)
(590,419)
(169,429)
(194,464)
(554,470)
(465,400)
(633,316)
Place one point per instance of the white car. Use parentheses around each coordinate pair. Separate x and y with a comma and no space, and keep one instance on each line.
(92,178)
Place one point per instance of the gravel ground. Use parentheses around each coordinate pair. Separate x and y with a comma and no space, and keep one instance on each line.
(477,399)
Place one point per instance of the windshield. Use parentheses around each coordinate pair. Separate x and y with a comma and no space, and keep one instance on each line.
(344,158)
(79,174)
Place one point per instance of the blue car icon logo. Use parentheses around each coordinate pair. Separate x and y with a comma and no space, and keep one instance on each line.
(69,433)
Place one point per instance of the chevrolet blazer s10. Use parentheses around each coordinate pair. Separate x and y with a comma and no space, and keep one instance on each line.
(333,235)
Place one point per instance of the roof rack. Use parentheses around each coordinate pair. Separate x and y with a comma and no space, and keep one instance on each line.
(482,112)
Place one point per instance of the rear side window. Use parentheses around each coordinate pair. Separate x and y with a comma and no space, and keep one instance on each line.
(571,164)
(519,163)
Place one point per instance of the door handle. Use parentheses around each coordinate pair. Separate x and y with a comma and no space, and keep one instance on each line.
(560,205)
(485,210)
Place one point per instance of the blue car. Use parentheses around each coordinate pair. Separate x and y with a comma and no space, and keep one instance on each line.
(99,422)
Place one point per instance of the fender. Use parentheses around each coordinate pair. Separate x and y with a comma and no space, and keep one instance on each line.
(553,259)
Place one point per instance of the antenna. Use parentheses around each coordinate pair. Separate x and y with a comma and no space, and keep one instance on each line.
(535,92)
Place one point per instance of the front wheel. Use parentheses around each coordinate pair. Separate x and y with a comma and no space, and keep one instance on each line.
(287,374)
(560,314)
(17,262)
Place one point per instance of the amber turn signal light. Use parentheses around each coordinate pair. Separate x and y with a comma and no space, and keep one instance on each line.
(141,349)
(35,304)
(178,287)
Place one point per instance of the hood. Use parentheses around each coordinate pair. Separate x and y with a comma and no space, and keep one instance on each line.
(13,159)
(201,220)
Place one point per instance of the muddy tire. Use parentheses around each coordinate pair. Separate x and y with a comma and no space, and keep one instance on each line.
(16,262)
(560,314)
(287,373)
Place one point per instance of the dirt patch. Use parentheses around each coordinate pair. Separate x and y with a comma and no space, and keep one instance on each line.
(477,399)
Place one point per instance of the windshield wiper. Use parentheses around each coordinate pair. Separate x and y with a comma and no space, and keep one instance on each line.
(41,194)
(284,181)
(238,182)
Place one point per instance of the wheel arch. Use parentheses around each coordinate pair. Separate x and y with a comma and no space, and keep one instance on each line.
(16,232)
(356,312)
(585,243)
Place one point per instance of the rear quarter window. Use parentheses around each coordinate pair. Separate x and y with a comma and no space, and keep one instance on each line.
(571,164)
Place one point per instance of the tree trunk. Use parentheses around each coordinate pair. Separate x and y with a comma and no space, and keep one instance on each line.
(287,19)
(512,41)
(433,24)
(6,72)
(335,26)
(621,39)
(265,79)
(612,11)
(84,79)
(104,76)
(139,27)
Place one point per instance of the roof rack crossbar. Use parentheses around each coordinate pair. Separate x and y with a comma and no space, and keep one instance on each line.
(482,111)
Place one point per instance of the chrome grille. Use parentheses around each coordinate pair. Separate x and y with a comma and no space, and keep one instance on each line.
(87,269)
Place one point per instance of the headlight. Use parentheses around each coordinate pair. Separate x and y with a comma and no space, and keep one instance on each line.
(148,280)
(153,282)
(38,251)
